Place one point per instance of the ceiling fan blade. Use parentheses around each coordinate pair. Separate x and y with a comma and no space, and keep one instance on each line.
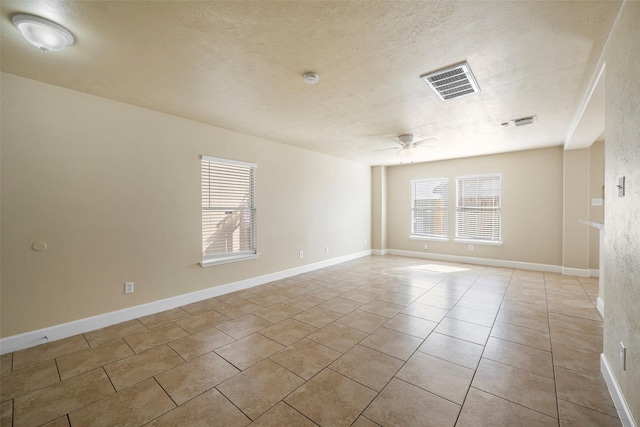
(406,144)
(422,147)
(424,141)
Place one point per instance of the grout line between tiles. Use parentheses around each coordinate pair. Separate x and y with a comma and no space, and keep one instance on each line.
(553,365)
(169,396)
(475,371)
(236,406)
(586,407)
(282,400)
(515,403)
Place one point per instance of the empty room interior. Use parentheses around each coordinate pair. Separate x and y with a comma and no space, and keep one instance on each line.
(320,213)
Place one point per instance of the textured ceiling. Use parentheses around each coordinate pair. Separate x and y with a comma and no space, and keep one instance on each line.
(238,65)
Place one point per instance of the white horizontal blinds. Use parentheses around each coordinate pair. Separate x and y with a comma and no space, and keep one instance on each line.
(429,207)
(228,208)
(478,207)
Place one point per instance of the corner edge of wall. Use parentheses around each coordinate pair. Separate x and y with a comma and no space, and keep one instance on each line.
(624,411)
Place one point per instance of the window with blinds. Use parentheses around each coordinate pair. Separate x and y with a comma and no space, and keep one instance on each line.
(228,210)
(478,204)
(429,207)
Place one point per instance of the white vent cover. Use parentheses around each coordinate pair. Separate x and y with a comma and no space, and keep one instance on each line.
(452,82)
(524,121)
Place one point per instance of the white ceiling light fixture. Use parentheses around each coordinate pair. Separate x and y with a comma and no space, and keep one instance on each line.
(406,156)
(42,33)
(310,77)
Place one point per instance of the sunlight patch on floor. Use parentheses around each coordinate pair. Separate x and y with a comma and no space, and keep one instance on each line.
(437,268)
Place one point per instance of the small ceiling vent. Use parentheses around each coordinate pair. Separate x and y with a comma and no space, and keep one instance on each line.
(524,121)
(452,82)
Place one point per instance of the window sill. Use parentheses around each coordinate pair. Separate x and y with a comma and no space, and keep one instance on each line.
(429,238)
(227,260)
(479,242)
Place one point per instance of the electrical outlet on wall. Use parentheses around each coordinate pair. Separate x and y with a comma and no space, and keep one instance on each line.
(471,247)
(128,287)
(426,247)
(301,254)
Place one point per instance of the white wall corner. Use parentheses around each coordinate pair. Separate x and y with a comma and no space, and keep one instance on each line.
(624,412)
(600,306)
(379,252)
(589,121)
(65,330)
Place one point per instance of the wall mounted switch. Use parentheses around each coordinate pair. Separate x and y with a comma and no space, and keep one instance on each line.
(621,187)
(623,357)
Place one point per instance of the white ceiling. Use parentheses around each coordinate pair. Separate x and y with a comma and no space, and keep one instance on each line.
(239,65)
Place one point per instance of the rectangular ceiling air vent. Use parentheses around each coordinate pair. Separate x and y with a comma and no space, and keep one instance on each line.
(452,82)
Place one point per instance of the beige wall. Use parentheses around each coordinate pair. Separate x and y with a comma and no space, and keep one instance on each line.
(575,236)
(531,205)
(114,191)
(583,181)
(379,207)
(622,214)
(596,190)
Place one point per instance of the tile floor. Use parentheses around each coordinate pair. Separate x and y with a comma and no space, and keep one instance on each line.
(384,341)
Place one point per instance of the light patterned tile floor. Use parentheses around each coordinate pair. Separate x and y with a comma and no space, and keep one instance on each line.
(379,341)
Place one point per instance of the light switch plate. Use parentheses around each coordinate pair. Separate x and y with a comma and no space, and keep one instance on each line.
(621,187)
(623,356)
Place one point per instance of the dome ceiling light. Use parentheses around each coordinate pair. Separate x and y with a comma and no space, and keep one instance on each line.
(42,33)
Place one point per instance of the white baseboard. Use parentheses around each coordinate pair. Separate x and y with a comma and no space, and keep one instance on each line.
(600,306)
(481,261)
(379,251)
(64,330)
(624,412)
(594,272)
(580,272)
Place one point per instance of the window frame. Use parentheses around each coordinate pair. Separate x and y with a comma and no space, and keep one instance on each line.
(491,239)
(433,209)
(247,214)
